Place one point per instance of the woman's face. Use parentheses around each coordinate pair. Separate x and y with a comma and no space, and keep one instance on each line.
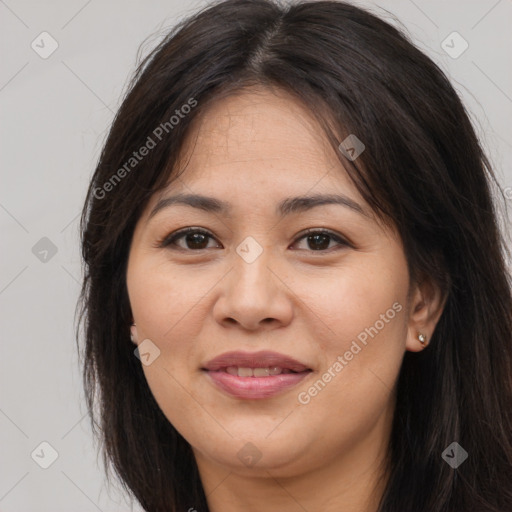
(252,280)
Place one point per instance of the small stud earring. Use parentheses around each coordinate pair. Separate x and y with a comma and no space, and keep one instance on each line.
(422,338)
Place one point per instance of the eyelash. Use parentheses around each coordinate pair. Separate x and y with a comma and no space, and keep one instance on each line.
(170,240)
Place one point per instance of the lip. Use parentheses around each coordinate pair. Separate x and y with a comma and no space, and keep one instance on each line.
(262,359)
(255,387)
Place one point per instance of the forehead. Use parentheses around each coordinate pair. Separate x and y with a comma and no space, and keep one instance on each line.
(256,138)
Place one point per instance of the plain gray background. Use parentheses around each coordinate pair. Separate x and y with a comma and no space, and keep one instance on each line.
(55,114)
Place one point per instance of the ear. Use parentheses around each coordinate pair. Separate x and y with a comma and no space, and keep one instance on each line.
(426,306)
(133,335)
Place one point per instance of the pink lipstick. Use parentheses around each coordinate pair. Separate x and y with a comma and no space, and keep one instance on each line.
(255,375)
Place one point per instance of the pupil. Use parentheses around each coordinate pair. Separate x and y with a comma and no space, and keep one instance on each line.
(321,238)
(195,239)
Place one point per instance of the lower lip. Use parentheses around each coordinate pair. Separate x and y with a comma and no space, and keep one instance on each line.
(255,388)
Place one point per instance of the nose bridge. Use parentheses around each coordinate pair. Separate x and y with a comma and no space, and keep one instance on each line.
(252,295)
(251,273)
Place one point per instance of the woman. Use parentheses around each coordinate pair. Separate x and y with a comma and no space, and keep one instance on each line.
(295,294)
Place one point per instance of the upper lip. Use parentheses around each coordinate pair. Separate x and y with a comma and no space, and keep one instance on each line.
(263,359)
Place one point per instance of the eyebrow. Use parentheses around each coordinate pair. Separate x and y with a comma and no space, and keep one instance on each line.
(286,207)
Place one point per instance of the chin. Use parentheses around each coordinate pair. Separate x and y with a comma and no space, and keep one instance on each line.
(258,452)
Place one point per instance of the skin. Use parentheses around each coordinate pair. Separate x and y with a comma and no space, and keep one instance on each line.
(253,150)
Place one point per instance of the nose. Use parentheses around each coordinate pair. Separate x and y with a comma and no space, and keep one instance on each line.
(254,296)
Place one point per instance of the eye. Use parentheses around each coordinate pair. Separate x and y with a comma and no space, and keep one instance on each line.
(319,240)
(193,239)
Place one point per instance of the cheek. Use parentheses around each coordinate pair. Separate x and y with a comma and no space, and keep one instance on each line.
(163,309)
(166,300)
(362,354)
(349,301)
(166,304)
(364,342)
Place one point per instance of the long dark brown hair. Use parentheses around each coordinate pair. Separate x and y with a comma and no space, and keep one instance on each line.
(423,171)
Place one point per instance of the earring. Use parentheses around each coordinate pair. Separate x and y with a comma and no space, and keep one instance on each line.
(422,338)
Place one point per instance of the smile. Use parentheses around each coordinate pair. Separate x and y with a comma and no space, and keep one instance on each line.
(254,376)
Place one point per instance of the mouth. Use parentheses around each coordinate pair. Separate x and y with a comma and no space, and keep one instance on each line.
(257,375)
